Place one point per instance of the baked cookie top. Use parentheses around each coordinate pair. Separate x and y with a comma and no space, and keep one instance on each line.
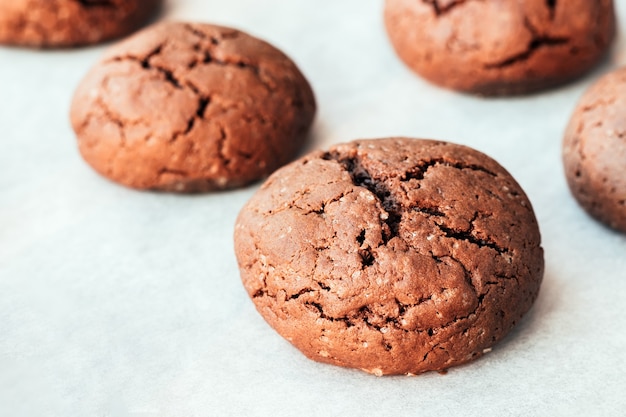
(62,23)
(191,107)
(496,47)
(394,256)
(594,150)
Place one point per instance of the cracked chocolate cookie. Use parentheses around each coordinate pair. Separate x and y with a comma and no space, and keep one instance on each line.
(499,47)
(594,150)
(61,23)
(394,256)
(191,108)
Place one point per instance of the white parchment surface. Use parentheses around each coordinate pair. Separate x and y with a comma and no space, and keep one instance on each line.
(115,302)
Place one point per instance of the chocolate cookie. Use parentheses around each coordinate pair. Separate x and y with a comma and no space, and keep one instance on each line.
(191,107)
(58,23)
(594,150)
(394,256)
(498,47)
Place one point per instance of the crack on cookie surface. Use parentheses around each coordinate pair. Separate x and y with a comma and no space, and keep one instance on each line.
(179,84)
(419,171)
(362,178)
(537,42)
(447,42)
(221,146)
(96,3)
(206,71)
(441,9)
(214,40)
(551,5)
(468,236)
(173,171)
(208,57)
(449,305)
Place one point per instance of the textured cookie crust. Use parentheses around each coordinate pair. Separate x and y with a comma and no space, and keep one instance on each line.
(394,256)
(190,108)
(61,23)
(594,150)
(498,47)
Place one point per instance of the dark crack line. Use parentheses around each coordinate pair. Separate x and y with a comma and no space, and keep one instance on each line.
(308,290)
(393,210)
(551,4)
(468,236)
(504,277)
(300,293)
(209,57)
(201,35)
(322,285)
(537,42)
(419,171)
(430,211)
(362,178)
(466,274)
(233,34)
(114,119)
(321,210)
(221,146)
(534,45)
(146,64)
(365,251)
(320,310)
(171,171)
(402,307)
(203,100)
(361,237)
(364,315)
(87,4)
(367,257)
(441,10)
(361,315)
(479,305)
(432,349)
(262,292)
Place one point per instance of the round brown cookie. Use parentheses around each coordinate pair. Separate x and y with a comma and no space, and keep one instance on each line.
(190,108)
(60,23)
(498,47)
(394,256)
(594,150)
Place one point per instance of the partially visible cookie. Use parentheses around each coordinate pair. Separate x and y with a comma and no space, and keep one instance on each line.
(594,150)
(394,256)
(498,47)
(62,23)
(190,108)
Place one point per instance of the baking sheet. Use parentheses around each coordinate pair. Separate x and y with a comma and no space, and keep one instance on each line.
(122,303)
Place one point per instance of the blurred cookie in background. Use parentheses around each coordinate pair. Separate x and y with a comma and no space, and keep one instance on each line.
(500,47)
(594,150)
(190,108)
(66,23)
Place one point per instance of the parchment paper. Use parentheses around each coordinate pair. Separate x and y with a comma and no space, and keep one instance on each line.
(115,302)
